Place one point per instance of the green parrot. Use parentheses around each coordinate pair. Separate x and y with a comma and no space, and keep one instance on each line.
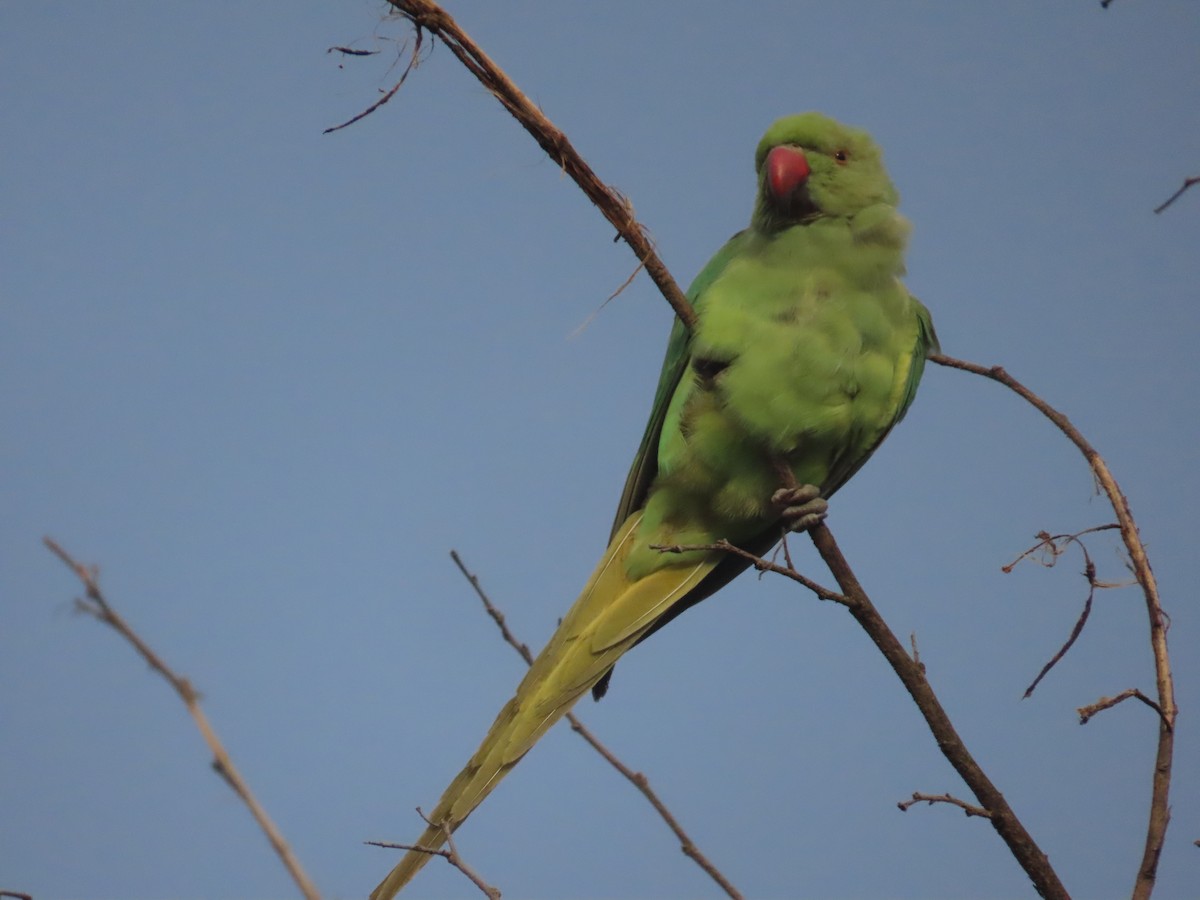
(807,349)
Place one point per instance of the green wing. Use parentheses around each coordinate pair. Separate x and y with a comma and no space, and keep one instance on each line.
(927,342)
(679,347)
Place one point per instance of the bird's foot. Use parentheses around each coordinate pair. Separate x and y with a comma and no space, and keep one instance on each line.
(800,507)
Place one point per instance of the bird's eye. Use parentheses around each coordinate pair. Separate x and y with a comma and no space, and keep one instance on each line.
(841,156)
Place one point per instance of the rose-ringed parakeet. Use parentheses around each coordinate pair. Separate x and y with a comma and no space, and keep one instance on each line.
(807,349)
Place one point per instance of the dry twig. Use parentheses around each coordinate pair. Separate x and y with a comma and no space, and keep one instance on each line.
(1187,183)
(95,604)
(1054,546)
(450,854)
(413,62)
(1086,712)
(637,779)
(969,808)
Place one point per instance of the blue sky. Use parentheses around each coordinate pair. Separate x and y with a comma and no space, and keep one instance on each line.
(267,378)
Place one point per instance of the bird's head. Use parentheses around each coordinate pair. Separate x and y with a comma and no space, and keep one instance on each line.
(811,167)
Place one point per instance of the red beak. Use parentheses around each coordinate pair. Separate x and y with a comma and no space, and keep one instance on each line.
(787,169)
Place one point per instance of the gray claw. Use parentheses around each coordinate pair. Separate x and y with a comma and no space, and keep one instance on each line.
(800,507)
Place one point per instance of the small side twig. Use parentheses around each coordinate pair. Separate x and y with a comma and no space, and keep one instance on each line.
(449,853)
(350,51)
(95,604)
(637,779)
(1187,183)
(969,808)
(1055,546)
(413,62)
(1086,712)
(762,565)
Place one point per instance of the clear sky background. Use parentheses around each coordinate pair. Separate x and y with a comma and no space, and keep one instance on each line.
(267,378)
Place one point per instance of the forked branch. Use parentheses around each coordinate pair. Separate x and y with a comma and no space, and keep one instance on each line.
(450,854)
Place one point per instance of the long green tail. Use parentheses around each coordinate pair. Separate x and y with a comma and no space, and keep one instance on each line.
(607,619)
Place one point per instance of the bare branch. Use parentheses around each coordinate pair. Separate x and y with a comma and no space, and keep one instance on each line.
(969,808)
(1187,183)
(637,779)
(1156,829)
(497,616)
(1086,712)
(911,672)
(16,894)
(427,15)
(96,605)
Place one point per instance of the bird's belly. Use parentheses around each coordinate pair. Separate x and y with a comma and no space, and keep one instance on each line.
(816,388)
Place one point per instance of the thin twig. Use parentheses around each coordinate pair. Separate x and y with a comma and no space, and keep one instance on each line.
(637,779)
(450,854)
(350,51)
(432,18)
(762,565)
(1187,183)
(595,312)
(916,654)
(969,808)
(1056,545)
(1156,829)
(497,616)
(413,62)
(96,605)
(1086,712)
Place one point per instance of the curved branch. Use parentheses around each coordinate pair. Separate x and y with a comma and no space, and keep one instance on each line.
(1160,814)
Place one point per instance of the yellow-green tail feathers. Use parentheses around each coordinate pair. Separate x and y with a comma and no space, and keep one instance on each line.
(607,619)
